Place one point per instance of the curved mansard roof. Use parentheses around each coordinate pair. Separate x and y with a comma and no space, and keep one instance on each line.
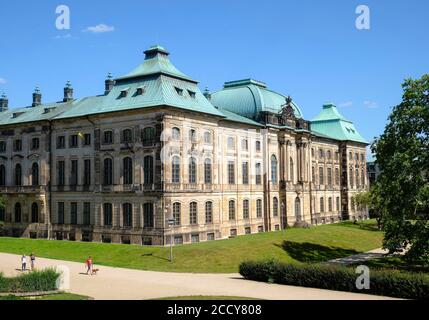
(250,97)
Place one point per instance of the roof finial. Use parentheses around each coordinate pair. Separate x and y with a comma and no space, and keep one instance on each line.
(206,93)
(3,95)
(109,76)
(37,89)
(68,84)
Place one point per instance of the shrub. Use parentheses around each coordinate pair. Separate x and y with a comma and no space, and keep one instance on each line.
(382,282)
(36,281)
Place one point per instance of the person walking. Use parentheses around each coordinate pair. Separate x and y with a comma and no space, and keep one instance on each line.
(32,261)
(88,264)
(23,263)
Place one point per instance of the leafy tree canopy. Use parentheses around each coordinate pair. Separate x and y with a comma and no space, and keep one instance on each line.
(403,186)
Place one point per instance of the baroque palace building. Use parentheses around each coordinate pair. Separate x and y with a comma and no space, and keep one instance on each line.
(154,159)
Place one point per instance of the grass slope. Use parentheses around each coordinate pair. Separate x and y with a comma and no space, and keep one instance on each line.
(316,244)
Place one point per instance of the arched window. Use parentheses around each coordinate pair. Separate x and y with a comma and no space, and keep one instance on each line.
(108,214)
(291,169)
(329,204)
(148,169)
(275,207)
(329,154)
(18,215)
(329,176)
(337,176)
(175,170)
(259,208)
(2,175)
(175,133)
(351,177)
(231,209)
(297,209)
(273,169)
(193,213)
(127,214)
(207,137)
(322,204)
(246,209)
(193,136)
(192,170)
(127,135)
(18,175)
(177,214)
(207,171)
(128,170)
(35,174)
(258,177)
(148,215)
(209,212)
(34,213)
(108,172)
(357,177)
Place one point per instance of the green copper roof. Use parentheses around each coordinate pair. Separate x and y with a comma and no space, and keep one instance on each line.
(249,97)
(331,124)
(156,62)
(158,88)
(231,116)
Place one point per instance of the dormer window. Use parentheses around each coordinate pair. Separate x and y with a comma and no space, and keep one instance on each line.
(192,94)
(17,114)
(140,90)
(179,91)
(124,92)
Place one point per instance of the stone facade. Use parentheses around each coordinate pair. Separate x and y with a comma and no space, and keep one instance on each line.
(118,176)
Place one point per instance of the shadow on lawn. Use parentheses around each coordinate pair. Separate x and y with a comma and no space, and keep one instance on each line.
(313,253)
(359,225)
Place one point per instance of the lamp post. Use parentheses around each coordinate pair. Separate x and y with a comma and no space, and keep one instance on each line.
(171,223)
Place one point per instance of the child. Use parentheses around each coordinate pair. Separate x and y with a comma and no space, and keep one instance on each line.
(23,263)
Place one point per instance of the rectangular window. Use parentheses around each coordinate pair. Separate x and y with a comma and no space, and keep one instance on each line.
(73,173)
(73,213)
(61,142)
(210,236)
(60,212)
(258,146)
(338,203)
(245,145)
(2,146)
(233,232)
(108,137)
(313,175)
(258,177)
(247,230)
(321,180)
(329,172)
(337,176)
(245,173)
(260,229)
(259,208)
(87,139)
(73,143)
(209,212)
(178,240)
(17,145)
(86,213)
(195,238)
(87,172)
(35,144)
(193,214)
(231,172)
(61,173)
(148,215)
(245,209)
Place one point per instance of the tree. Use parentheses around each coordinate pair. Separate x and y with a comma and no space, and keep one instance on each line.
(371,200)
(403,185)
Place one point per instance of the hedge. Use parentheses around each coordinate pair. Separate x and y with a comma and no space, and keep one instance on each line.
(36,281)
(382,282)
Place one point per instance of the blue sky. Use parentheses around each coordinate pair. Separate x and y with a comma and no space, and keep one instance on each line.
(308,49)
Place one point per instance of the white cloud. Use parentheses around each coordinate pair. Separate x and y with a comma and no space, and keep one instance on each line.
(100,28)
(370,104)
(346,104)
(3,81)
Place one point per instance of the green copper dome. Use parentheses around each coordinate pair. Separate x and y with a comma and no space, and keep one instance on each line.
(250,97)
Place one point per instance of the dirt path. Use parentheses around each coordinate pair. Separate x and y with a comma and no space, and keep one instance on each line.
(128,284)
(361,257)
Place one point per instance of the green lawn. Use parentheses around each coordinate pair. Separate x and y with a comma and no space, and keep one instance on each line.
(395,263)
(292,245)
(58,296)
(188,298)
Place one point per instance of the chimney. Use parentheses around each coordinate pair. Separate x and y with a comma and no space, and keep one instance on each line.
(207,94)
(109,83)
(37,97)
(68,92)
(4,103)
